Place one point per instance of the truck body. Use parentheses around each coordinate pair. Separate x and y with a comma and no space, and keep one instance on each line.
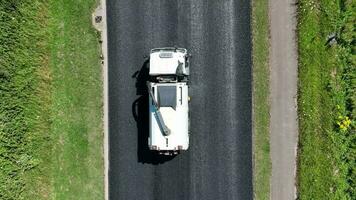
(168,100)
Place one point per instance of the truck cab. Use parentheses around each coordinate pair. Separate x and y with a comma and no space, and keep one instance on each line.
(168,100)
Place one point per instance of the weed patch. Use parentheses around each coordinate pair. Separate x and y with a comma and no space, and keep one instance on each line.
(326,165)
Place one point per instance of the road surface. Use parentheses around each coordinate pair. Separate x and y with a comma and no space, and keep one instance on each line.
(218,164)
(284,126)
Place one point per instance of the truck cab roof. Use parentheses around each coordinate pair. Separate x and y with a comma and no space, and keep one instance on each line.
(166,61)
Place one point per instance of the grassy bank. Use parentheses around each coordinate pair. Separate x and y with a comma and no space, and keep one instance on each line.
(326,165)
(50,101)
(24,100)
(261,155)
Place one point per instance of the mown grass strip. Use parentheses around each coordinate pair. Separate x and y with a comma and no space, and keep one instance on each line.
(326,101)
(261,149)
(77,156)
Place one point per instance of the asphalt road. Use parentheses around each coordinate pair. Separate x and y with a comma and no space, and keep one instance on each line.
(218,164)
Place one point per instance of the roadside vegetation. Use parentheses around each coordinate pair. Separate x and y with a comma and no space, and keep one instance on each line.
(76,128)
(261,149)
(50,101)
(326,101)
(24,100)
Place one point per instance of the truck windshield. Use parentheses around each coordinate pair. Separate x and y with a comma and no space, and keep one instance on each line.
(167,96)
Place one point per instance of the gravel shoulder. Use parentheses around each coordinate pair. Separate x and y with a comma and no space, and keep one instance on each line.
(283,90)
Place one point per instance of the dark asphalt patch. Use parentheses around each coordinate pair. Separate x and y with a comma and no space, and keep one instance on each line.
(218,164)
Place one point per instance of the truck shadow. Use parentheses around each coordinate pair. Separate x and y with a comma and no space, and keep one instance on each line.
(140,114)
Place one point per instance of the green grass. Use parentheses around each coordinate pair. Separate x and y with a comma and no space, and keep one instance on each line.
(50,101)
(24,100)
(77,170)
(261,149)
(326,156)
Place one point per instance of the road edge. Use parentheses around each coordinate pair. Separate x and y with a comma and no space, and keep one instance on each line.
(106,99)
(101,26)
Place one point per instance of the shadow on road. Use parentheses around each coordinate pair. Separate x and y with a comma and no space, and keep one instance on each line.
(140,113)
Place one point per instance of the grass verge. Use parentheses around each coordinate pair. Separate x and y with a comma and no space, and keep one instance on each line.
(326,101)
(77,154)
(261,149)
(50,101)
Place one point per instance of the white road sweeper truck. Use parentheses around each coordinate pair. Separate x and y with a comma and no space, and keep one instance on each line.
(168,100)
